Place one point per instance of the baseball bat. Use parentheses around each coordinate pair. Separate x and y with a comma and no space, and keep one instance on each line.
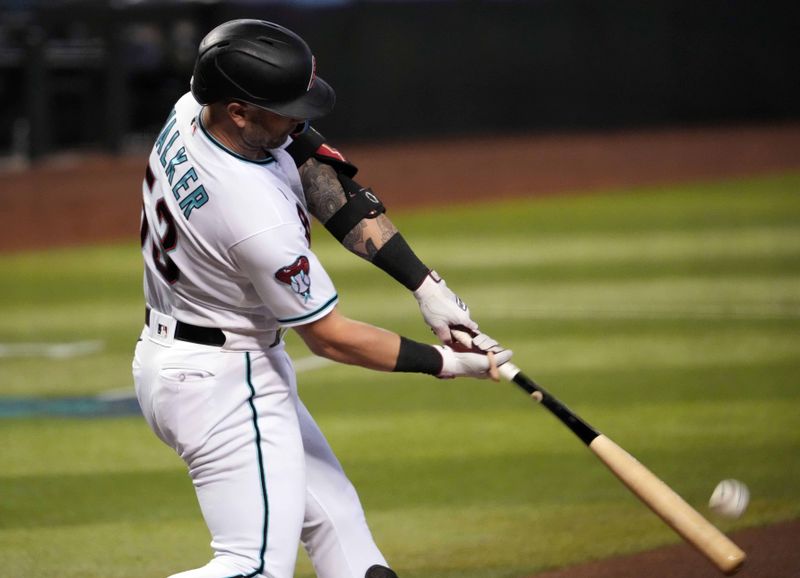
(655,494)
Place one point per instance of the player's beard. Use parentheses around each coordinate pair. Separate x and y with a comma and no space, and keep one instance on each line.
(273,142)
(256,137)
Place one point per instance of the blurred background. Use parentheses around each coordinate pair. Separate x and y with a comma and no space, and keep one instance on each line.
(103,74)
(612,186)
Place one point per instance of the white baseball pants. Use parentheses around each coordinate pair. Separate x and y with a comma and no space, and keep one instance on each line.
(265,477)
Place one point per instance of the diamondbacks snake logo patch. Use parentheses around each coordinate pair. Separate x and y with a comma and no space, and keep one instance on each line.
(297,277)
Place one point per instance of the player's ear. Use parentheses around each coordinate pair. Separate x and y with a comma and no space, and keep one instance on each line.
(237,111)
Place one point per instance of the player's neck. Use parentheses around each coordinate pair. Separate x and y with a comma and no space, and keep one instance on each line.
(227,134)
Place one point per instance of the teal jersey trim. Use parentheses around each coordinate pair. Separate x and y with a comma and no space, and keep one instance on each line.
(264,494)
(270,159)
(308,315)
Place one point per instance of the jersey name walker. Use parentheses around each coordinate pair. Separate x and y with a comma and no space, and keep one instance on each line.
(226,240)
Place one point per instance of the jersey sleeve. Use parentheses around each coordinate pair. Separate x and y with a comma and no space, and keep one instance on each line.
(287,276)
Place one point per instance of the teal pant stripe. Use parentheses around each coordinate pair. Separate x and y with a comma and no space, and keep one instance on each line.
(264,496)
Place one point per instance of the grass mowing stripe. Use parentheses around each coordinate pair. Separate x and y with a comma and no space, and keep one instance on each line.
(79,318)
(744,202)
(523,249)
(56,446)
(638,352)
(723,297)
(51,350)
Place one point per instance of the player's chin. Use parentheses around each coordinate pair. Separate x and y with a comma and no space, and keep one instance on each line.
(276,142)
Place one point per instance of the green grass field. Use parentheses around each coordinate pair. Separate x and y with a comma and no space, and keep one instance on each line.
(669,318)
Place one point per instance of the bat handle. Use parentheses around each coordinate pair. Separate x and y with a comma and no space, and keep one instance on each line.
(570,419)
(514,374)
(508,371)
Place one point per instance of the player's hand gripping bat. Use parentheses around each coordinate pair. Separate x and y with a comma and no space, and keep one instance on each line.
(655,494)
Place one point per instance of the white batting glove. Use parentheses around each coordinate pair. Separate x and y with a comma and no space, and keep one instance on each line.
(475,341)
(441,308)
(469,364)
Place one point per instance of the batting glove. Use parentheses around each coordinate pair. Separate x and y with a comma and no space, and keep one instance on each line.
(441,308)
(474,341)
(469,364)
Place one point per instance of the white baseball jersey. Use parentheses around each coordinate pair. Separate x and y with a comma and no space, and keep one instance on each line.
(226,240)
(226,245)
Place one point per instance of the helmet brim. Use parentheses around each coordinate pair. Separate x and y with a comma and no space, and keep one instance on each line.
(311,105)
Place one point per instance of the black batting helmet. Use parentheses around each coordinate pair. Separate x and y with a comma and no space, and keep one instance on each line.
(264,64)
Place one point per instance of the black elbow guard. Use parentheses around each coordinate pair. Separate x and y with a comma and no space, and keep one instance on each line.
(361,204)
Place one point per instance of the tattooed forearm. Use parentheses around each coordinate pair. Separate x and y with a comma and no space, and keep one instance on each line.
(369,236)
(324,193)
(325,196)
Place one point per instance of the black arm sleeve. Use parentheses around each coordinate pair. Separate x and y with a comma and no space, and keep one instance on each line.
(400,262)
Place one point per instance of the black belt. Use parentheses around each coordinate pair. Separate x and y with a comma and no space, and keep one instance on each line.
(193,333)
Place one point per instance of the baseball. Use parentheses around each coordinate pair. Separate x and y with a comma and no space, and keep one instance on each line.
(729,499)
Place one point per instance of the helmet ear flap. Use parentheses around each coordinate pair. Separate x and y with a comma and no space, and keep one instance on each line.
(198,88)
(202,83)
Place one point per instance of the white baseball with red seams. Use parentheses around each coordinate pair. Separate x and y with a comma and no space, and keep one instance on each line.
(226,245)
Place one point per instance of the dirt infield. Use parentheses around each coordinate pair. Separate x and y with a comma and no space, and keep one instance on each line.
(79,199)
(773,552)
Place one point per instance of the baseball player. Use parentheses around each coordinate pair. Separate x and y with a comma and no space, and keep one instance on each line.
(226,243)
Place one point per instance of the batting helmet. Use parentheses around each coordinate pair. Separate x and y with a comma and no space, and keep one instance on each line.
(264,64)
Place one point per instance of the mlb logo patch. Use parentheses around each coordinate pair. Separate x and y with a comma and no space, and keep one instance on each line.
(161,327)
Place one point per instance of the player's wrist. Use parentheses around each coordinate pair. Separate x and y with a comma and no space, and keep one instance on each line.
(415,357)
(429,286)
